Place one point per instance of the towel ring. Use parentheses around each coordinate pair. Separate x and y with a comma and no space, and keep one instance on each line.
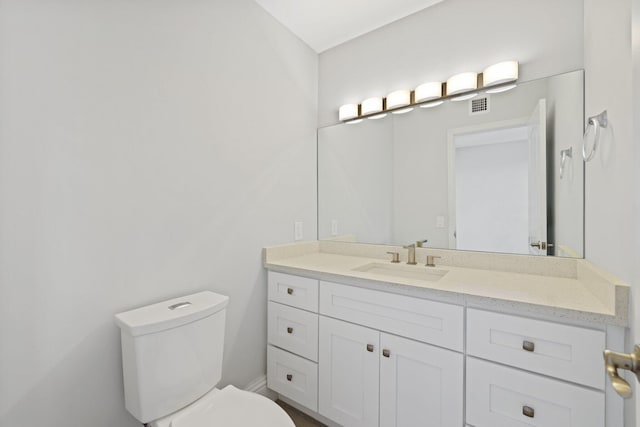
(597,122)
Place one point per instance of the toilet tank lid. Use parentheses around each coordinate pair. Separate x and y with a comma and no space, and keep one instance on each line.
(170,314)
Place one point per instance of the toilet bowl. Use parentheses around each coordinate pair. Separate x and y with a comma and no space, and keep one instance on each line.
(172,361)
(228,407)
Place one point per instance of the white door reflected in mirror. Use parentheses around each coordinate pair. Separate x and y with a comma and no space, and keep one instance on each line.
(497,185)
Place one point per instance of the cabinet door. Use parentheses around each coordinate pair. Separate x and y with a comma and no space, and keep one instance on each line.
(420,385)
(348,373)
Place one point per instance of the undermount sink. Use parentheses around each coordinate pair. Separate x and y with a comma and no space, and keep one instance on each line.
(404,271)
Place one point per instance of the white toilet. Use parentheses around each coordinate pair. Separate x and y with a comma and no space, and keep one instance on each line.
(172,361)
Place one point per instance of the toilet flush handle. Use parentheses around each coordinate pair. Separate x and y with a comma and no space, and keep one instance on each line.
(179,305)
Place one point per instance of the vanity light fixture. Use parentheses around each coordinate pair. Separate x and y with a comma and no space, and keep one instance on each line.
(372,105)
(348,111)
(397,99)
(502,72)
(462,82)
(499,74)
(428,91)
(496,78)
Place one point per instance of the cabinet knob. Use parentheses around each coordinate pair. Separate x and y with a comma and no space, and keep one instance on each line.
(290,291)
(370,348)
(528,411)
(289,330)
(289,377)
(386,353)
(528,346)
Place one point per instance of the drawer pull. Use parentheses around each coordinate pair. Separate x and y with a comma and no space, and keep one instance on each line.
(370,348)
(290,377)
(386,353)
(528,411)
(528,346)
(289,330)
(290,291)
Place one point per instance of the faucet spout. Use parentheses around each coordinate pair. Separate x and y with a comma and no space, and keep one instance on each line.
(411,255)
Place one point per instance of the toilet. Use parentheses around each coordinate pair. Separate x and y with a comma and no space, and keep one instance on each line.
(172,361)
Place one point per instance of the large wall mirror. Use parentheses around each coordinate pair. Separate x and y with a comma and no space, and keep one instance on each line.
(501,172)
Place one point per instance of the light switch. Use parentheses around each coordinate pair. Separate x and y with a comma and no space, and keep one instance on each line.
(334,227)
(299,231)
(440,221)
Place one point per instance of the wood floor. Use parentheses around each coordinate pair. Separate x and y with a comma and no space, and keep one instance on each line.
(300,419)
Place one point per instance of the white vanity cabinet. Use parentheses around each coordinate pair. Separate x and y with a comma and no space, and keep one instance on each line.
(571,392)
(420,384)
(349,378)
(370,378)
(292,333)
(363,357)
(380,373)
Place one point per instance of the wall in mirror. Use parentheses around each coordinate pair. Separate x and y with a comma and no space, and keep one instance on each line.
(481,174)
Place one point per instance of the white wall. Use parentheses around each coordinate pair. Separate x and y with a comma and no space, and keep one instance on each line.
(453,36)
(611,222)
(148,149)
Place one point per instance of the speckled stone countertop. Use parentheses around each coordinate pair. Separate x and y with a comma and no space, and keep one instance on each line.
(557,288)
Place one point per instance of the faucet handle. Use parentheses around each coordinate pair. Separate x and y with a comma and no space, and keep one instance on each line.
(431,260)
(395,257)
(420,242)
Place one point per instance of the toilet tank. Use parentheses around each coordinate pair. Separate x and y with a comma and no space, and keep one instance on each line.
(171,353)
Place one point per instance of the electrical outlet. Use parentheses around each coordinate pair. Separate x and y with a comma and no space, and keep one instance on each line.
(334,227)
(440,221)
(299,231)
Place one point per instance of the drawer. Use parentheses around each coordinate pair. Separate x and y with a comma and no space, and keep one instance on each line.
(498,396)
(295,291)
(293,377)
(567,352)
(427,321)
(294,330)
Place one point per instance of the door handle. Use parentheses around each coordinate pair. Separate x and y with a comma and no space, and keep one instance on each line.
(541,245)
(629,362)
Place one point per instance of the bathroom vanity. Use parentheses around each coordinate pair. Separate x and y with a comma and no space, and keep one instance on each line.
(479,340)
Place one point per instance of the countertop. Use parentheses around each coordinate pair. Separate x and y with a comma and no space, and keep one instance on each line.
(571,289)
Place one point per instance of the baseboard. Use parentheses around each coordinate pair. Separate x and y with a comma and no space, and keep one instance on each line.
(259,386)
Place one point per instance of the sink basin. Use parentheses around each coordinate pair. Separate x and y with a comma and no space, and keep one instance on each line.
(416,272)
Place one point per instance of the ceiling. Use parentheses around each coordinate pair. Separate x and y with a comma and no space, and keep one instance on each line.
(323,24)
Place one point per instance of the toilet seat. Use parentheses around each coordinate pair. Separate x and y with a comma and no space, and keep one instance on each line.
(231,407)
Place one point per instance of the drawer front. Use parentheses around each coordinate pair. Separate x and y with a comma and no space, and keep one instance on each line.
(428,321)
(294,330)
(295,291)
(498,396)
(567,352)
(293,377)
